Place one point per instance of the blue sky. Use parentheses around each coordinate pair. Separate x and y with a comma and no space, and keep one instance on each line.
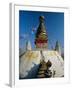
(29,20)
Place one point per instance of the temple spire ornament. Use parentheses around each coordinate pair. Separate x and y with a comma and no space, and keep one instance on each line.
(57,47)
(28,45)
(41,38)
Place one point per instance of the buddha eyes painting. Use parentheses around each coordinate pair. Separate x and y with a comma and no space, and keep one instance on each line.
(41,44)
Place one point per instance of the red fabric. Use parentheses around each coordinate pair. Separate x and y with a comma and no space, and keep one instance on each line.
(41,41)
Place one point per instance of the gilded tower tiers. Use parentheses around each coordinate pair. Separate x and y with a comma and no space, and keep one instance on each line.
(41,39)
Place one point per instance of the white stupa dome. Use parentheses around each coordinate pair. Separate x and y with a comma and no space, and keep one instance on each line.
(30,61)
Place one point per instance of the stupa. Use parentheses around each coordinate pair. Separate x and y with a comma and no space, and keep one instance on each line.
(41,40)
(41,63)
